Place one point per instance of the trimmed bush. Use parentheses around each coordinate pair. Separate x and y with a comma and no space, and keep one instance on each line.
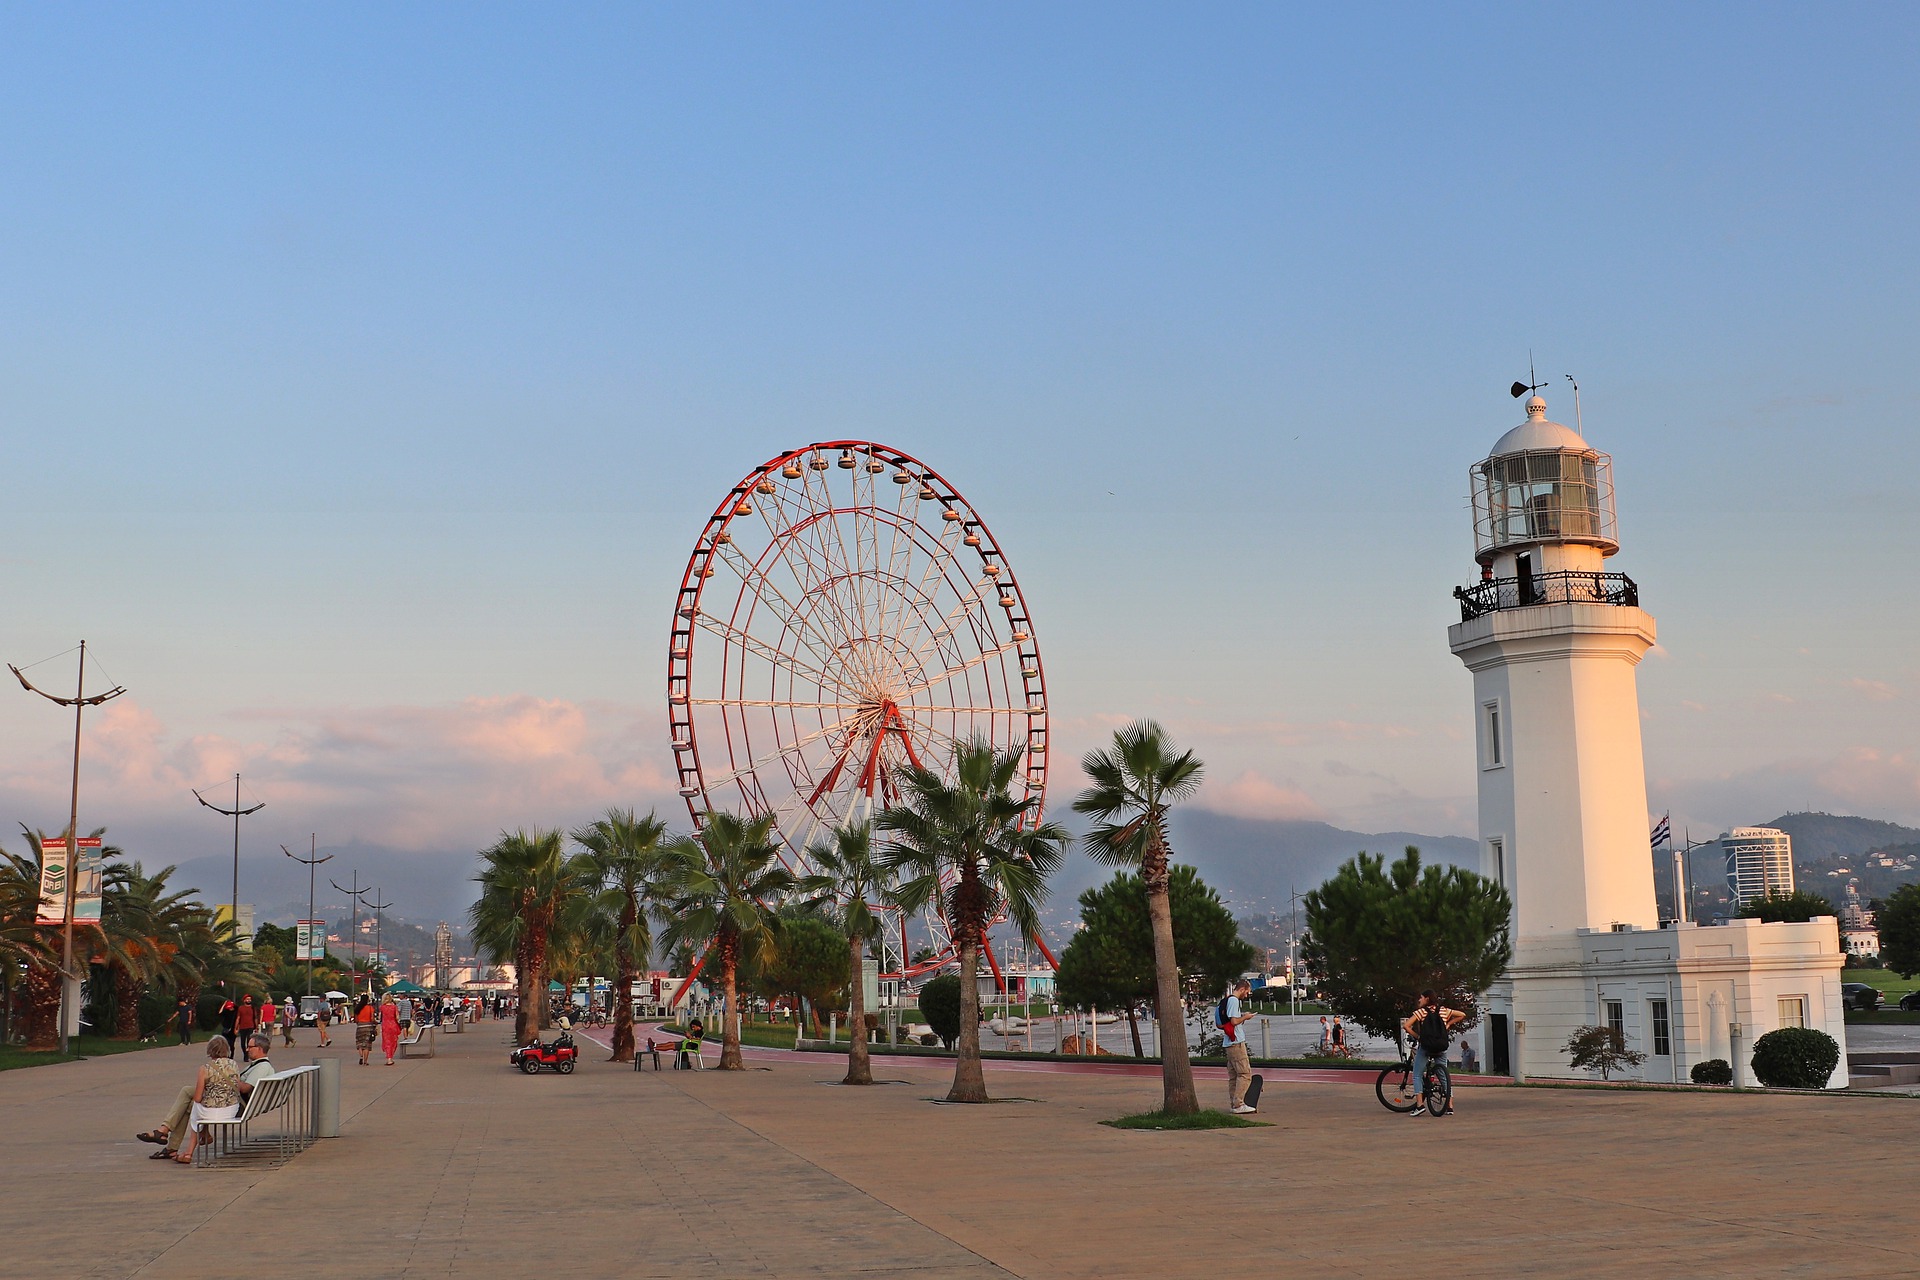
(940,1005)
(1713,1071)
(1795,1058)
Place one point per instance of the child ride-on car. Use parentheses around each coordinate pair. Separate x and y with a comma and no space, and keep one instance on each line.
(559,1055)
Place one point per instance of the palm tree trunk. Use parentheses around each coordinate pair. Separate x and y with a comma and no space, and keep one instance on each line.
(730,1016)
(623,1011)
(43,1006)
(1177,1096)
(969,1080)
(859,1064)
(127,991)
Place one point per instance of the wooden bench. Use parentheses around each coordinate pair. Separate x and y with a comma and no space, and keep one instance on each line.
(282,1094)
(411,1040)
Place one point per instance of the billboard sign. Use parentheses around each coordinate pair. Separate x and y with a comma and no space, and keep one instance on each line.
(55,867)
(310,940)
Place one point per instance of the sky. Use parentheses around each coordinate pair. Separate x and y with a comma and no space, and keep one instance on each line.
(367,372)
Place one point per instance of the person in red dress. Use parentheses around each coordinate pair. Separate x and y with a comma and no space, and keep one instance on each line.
(389,1027)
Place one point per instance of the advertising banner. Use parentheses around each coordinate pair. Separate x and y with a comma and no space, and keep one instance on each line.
(310,940)
(55,866)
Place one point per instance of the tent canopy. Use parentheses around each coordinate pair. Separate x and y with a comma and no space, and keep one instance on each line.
(405,988)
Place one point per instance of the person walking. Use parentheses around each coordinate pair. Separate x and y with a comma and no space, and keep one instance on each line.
(269,1014)
(1227,1017)
(1339,1034)
(287,1014)
(364,1026)
(183,1019)
(245,1019)
(322,1017)
(229,1010)
(389,1027)
(1326,1037)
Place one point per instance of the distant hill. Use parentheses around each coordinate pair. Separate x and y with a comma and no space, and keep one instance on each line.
(1253,862)
(1823,836)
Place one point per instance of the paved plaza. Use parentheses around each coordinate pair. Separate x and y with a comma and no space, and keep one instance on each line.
(458,1166)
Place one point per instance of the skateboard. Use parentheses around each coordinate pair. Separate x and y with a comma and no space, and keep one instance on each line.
(1253,1091)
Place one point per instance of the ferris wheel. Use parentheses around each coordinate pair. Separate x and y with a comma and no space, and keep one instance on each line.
(845,613)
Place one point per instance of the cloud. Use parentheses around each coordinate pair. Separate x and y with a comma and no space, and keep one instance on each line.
(1877,690)
(409,777)
(1252,796)
(1870,781)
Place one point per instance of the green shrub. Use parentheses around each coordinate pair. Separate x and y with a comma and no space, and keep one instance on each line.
(1795,1058)
(940,1005)
(1713,1071)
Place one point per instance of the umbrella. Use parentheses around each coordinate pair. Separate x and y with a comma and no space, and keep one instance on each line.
(338,995)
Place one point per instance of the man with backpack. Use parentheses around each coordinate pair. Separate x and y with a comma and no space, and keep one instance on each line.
(1228,1017)
(1431,1026)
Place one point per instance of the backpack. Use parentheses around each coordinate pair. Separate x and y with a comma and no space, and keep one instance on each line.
(1227,1033)
(1433,1035)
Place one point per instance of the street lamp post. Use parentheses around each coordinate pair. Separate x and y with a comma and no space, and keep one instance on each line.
(311,863)
(69,980)
(376,908)
(353,930)
(236,813)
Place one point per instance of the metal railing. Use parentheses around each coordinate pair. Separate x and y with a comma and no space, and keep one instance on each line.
(287,1097)
(1567,587)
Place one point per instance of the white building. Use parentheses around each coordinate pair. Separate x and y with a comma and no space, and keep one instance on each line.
(1759,862)
(1861,943)
(1552,640)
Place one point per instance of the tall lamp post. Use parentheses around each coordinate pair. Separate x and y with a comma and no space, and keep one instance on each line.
(353,932)
(69,980)
(376,908)
(236,813)
(311,863)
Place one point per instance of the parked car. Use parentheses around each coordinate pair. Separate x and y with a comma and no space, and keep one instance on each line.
(1911,1002)
(1858,995)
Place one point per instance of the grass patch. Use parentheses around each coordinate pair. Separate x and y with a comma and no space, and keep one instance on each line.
(84,1047)
(1198,1120)
(1884,1017)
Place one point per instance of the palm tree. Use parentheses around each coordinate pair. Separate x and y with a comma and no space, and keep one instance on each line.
(720,888)
(527,884)
(973,846)
(849,881)
(142,919)
(1135,784)
(23,944)
(625,855)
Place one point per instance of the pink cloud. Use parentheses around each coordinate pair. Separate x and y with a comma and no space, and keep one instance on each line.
(1877,690)
(1252,796)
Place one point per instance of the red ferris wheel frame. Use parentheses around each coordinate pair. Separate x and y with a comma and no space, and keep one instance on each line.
(825,626)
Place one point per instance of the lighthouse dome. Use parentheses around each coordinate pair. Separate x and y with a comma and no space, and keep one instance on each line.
(1538,433)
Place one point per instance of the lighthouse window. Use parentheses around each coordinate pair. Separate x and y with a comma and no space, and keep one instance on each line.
(1498,848)
(1494,755)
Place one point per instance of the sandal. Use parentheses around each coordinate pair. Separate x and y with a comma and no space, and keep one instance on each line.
(181,1159)
(161,1154)
(157,1137)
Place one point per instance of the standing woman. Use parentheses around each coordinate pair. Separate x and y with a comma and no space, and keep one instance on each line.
(389,1026)
(363,1027)
(216,1095)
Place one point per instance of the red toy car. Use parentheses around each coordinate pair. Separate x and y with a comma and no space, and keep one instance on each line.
(559,1055)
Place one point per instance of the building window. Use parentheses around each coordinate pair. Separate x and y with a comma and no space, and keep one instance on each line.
(1498,850)
(1617,1018)
(1495,755)
(1793,1011)
(1662,1031)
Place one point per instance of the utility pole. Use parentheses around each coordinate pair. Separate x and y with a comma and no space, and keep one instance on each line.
(353,931)
(311,863)
(236,813)
(69,980)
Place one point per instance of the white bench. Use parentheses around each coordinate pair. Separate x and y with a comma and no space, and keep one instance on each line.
(285,1093)
(411,1040)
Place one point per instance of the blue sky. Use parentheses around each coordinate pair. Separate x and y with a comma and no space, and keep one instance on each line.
(366,373)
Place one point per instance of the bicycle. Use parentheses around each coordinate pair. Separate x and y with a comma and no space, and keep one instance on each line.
(1399,1092)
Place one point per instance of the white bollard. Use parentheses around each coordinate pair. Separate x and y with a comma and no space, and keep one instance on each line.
(1266,1042)
(1519,1051)
(1733,1052)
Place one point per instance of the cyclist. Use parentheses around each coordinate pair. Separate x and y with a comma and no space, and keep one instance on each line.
(1431,1026)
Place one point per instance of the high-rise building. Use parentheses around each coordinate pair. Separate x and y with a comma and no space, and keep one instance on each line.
(1553,639)
(1759,862)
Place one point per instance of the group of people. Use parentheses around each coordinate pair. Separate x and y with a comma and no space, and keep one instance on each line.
(217,1092)
(241,1019)
(1430,1027)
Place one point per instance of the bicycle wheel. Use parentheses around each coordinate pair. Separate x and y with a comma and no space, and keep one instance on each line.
(1396,1087)
(1440,1090)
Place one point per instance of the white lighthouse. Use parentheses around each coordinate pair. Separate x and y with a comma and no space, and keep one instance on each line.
(1553,639)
